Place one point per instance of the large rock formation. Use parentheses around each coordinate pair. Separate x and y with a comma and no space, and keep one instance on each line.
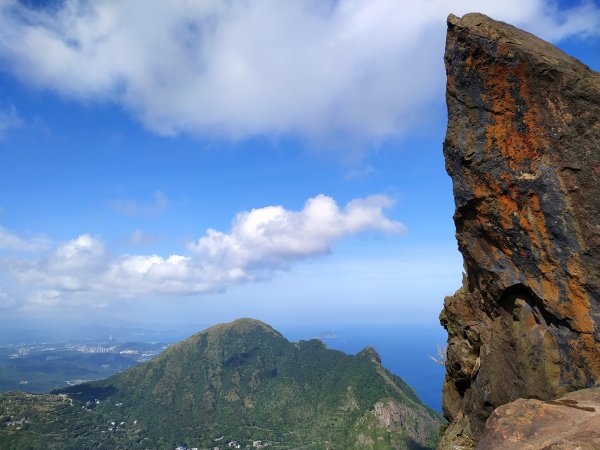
(523,151)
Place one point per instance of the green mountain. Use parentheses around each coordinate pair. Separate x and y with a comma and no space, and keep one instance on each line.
(241,381)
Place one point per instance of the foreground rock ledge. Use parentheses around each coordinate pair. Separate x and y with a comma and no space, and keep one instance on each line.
(571,422)
(523,150)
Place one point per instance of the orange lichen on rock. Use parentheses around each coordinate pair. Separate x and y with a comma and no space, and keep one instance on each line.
(514,131)
(578,301)
(525,179)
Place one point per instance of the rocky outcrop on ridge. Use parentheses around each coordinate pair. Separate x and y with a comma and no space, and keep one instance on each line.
(523,150)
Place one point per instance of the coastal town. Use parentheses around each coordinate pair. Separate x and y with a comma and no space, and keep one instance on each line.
(69,363)
(225,443)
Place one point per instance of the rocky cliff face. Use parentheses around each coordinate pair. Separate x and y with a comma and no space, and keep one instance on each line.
(523,151)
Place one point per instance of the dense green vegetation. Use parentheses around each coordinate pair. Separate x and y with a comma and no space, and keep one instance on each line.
(241,381)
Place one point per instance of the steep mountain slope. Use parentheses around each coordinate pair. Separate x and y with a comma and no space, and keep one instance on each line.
(523,150)
(240,381)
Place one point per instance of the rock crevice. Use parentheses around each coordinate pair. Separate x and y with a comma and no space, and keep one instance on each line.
(523,151)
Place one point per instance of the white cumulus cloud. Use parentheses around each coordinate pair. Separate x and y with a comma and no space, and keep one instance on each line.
(358,68)
(260,242)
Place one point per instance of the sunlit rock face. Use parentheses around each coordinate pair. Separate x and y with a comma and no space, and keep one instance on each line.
(567,423)
(523,151)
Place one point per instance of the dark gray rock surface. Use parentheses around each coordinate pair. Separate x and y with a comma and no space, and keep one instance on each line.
(523,150)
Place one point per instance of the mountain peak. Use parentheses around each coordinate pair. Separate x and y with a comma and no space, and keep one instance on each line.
(241,325)
(371,353)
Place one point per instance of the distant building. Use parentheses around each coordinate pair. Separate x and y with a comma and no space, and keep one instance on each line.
(129,352)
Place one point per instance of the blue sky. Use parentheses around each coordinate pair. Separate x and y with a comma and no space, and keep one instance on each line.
(210,160)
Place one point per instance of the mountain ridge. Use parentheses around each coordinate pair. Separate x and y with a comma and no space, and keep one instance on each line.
(242,380)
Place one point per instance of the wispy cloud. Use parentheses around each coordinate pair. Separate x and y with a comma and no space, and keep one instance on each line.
(138,238)
(7,302)
(359,173)
(359,68)
(14,242)
(157,205)
(9,119)
(260,243)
